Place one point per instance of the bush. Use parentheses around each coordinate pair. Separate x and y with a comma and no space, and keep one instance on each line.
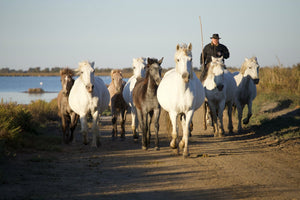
(43,111)
(19,124)
(280,80)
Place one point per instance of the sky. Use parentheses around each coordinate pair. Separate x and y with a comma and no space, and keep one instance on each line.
(60,33)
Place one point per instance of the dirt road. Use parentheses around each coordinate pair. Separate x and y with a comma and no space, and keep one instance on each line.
(246,166)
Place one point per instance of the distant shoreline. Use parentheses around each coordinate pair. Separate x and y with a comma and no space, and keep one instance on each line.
(125,75)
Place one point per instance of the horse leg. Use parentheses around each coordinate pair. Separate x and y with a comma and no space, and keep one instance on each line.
(156,115)
(114,124)
(214,120)
(134,123)
(142,123)
(63,124)
(174,141)
(220,118)
(84,128)
(95,130)
(74,120)
(240,109)
(246,120)
(229,112)
(149,120)
(204,116)
(123,119)
(185,136)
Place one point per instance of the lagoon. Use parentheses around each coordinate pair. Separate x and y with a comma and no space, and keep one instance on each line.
(13,88)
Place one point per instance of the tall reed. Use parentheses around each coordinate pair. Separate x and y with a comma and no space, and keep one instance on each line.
(280,80)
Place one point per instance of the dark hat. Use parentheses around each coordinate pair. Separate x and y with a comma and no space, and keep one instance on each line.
(215,36)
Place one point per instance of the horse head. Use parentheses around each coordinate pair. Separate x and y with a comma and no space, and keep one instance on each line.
(183,60)
(154,69)
(215,76)
(251,68)
(117,79)
(139,67)
(86,73)
(66,80)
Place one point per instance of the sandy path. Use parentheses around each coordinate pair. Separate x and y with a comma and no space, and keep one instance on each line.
(243,166)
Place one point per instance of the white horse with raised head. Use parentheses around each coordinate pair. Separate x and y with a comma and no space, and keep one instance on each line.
(89,94)
(181,93)
(220,88)
(246,81)
(139,71)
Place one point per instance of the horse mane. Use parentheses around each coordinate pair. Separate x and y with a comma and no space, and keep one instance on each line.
(114,71)
(187,50)
(245,64)
(141,59)
(77,71)
(66,71)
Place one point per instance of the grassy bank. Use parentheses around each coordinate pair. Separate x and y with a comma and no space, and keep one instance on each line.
(21,126)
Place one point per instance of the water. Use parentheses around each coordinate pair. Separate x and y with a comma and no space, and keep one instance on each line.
(13,89)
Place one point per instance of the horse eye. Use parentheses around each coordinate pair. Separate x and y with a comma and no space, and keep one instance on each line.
(177,60)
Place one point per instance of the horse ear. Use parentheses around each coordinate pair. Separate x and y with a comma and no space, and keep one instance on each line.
(177,47)
(190,47)
(213,59)
(246,59)
(160,61)
(92,64)
(149,61)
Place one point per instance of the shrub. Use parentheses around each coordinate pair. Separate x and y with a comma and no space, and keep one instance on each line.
(280,80)
(43,111)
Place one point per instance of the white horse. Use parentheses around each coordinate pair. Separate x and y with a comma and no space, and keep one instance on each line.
(181,93)
(220,88)
(139,71)
(89,94)
(246,81)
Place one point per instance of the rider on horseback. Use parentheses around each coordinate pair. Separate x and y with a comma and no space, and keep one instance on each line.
(214,49)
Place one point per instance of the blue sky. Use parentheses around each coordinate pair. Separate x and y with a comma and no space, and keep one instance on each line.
(49,33)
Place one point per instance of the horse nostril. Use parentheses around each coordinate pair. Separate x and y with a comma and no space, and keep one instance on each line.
(256,81)
(186,77)
(89,87)
(220,87)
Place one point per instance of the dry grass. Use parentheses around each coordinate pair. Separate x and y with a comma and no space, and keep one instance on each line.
(280,80)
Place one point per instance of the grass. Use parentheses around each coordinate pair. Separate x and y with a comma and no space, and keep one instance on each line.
(21,126)
(271,118)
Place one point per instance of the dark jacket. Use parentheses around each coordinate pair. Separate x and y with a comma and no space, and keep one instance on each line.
(215,51)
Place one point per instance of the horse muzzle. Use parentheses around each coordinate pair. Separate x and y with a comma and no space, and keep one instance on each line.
(186,77)
(220,87)
(66,93)
(89,88)
(256,81)
(157,81)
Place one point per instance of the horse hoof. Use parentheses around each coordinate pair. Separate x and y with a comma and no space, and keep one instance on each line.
(173,145)
(157,148)
(186,155)
(181,144)
(144,148)
(245,121)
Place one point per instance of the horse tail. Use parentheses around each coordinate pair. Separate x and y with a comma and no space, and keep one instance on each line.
(165,121)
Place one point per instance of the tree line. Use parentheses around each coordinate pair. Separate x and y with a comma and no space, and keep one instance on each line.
(7,70)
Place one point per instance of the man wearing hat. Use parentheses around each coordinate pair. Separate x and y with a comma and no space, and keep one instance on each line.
(214,49)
